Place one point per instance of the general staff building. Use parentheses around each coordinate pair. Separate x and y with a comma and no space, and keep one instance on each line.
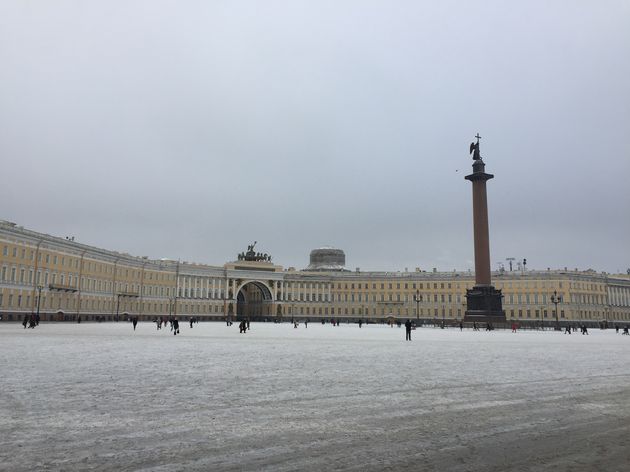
(63,280)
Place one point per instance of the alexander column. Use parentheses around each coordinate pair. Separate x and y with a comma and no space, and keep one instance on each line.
(483,300)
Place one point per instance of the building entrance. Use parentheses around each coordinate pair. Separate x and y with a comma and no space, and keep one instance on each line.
(254,301)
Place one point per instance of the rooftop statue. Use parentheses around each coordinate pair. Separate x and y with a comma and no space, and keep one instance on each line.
(252,255)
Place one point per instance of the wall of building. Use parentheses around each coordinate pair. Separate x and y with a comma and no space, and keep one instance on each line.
(64,279)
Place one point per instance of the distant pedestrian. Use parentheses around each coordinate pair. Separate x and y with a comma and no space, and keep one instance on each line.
(625,331)
(408,330)
(461,326)
(191,321)
(306,323)
(175,326)
(360,323)
(25,321)
(79,319)
(134,321)
(567,330)
(617,329)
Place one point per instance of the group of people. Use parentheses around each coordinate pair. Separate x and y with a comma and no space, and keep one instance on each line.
(243,326)
(568,329)
(625,330)
(30,320)
(171,320)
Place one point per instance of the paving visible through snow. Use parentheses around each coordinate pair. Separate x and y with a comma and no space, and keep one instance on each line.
(103,397)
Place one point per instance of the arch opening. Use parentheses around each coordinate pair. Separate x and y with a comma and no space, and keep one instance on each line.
(254,301)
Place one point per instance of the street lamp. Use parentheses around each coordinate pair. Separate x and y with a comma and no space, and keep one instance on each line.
(39,297)
(118,305)
(555,299)
(417,298)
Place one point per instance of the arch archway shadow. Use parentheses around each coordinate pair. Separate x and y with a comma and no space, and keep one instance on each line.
(254,301)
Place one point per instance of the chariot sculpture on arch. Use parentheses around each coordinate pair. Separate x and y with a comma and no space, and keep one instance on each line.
(252,255)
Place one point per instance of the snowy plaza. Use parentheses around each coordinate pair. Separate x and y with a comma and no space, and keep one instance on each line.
(99,396)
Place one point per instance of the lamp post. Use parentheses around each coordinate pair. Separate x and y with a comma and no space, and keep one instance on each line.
(555,299)
(117,305)
(417,298)
(39,297)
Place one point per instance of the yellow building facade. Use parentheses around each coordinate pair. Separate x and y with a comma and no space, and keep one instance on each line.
(63,280)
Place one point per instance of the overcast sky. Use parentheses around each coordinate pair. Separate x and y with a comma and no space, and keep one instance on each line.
(189,129)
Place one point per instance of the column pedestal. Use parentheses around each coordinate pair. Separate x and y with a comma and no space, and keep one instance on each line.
(484,305)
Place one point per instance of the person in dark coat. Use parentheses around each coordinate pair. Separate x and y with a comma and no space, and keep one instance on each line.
(134,321)
(25,321)
(175,326)
(408,331)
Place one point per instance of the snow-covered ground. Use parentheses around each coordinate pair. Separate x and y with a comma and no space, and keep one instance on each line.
(103,397)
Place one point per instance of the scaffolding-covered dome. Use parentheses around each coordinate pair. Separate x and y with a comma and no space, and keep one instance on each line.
(327,259)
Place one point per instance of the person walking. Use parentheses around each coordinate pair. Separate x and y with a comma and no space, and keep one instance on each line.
(408,331)
(175,326)
(134,322)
